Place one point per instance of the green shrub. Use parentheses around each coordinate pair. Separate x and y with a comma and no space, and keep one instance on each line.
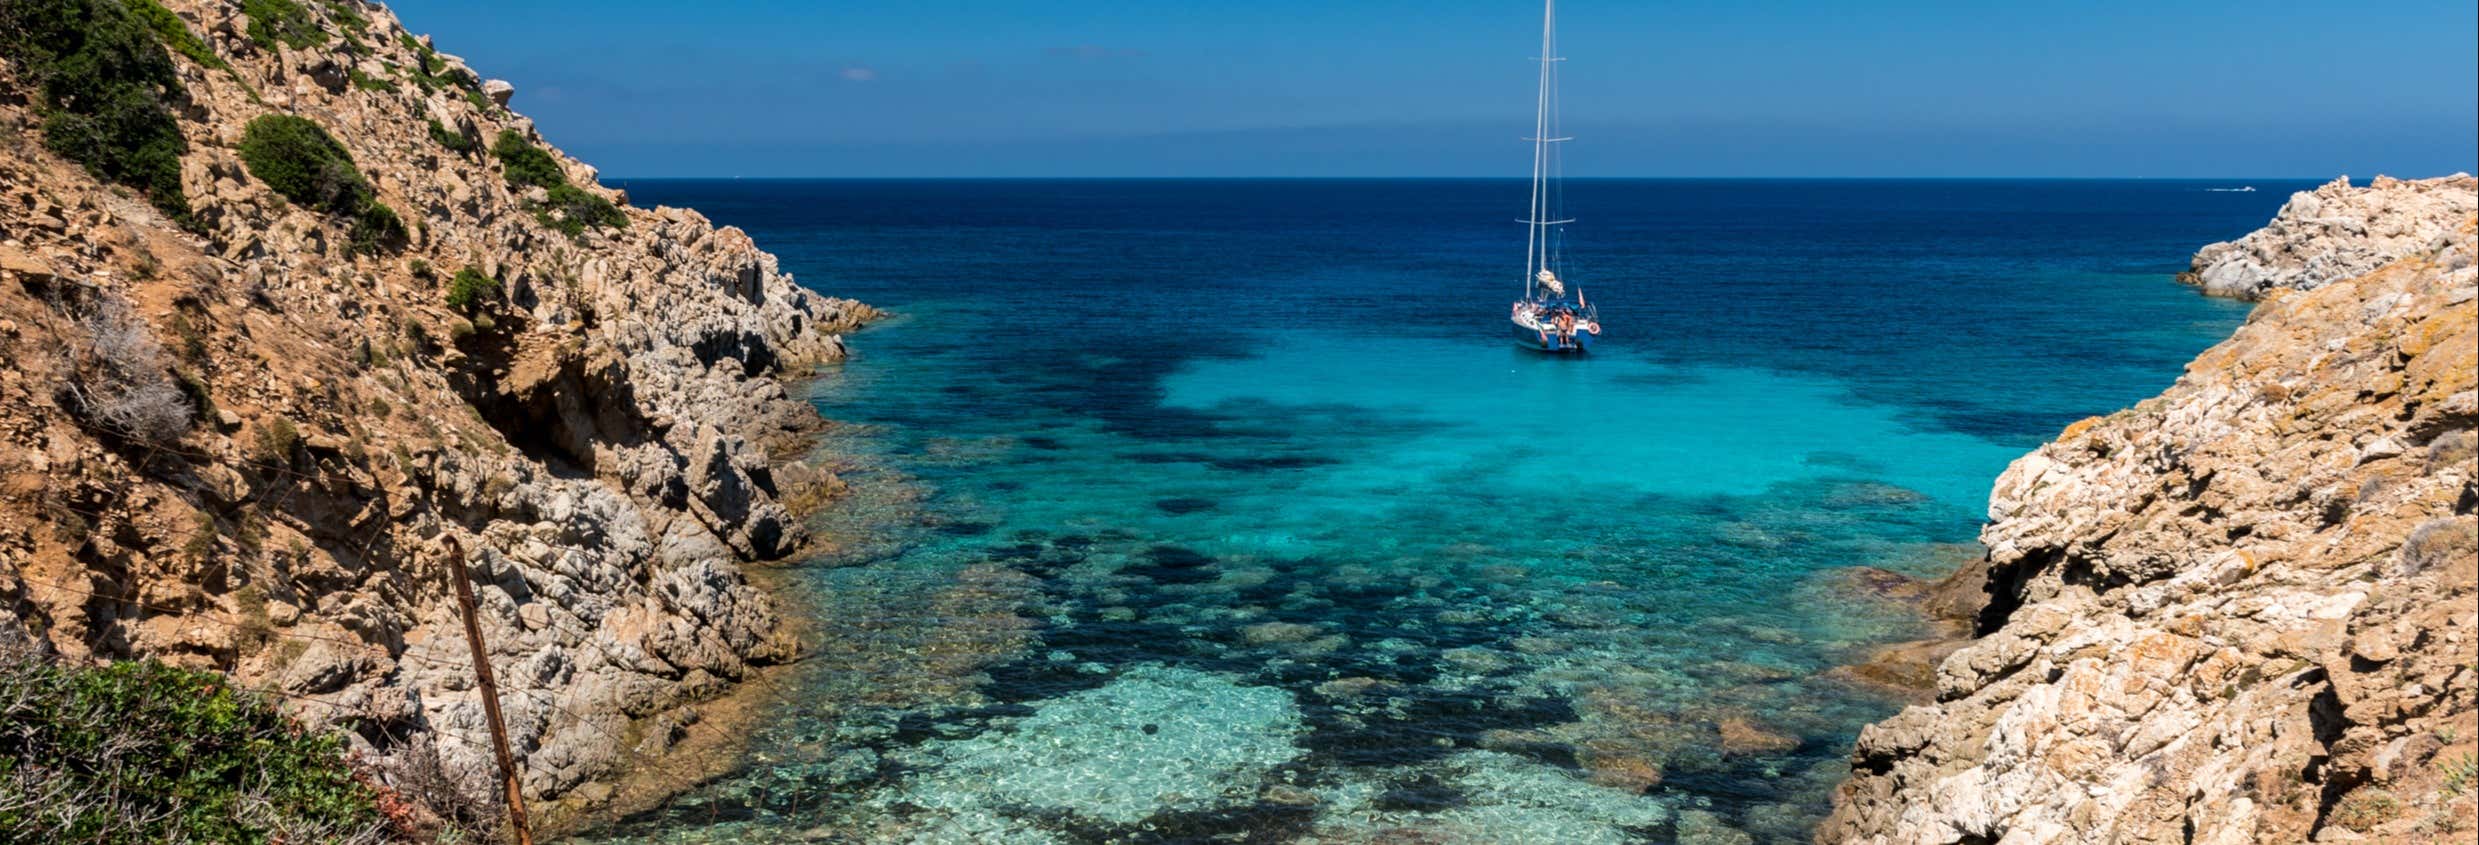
(568,208)
(453,140)
(277,441)
(376,229)
(471,287)
(145,752)
(104,84)
(525,164)
(418,335)
(572,209)
(301,161)
(367,82)
(283,22)
(432,72)
(348,17)
(306,165)
(175,35)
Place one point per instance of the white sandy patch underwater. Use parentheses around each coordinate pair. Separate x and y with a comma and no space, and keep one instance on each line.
(1152,740)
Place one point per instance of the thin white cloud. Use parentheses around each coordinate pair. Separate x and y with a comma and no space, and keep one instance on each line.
(858,73)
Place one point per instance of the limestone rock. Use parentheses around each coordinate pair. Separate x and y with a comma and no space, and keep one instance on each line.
(2336,232)
(2241,611)
(596,437)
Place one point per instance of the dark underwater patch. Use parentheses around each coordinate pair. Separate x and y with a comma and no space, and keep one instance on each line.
(1185,504)
(1271,463)
(1409,734)
(1167,564)
(1423,794)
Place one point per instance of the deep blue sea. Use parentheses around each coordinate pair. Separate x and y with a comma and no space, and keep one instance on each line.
(1195,510)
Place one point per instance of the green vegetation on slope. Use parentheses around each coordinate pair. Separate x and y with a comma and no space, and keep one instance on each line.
(471,287)
(145,752)
(455,141)
(283,22)
(522,163)
(175,34)
(567,208)
(301,161)
(432,72)
(104,87)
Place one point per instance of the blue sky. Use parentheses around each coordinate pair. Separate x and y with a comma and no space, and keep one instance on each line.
(1442,88)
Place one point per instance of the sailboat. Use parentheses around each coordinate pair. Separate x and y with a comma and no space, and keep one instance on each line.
(1546,319)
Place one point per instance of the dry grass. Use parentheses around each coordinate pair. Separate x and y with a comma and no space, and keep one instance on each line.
(117,379)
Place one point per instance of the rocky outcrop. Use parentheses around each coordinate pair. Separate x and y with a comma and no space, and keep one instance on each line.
(2241,611)
(2335,232)
(608,437)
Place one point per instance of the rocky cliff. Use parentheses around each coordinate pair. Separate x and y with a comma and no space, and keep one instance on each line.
(2335,232)
(260,388)
(2241,611)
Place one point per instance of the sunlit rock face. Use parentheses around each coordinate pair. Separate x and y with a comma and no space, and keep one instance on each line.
(2336,232)
(605,435)
(2241,611)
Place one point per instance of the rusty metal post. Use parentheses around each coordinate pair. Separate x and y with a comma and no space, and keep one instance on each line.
(490,694)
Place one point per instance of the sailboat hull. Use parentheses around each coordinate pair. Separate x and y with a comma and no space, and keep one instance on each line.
(1535,340)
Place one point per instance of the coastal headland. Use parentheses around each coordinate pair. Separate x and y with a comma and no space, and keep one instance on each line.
(315,302)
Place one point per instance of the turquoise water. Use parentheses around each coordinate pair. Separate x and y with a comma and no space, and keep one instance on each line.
(1220,511)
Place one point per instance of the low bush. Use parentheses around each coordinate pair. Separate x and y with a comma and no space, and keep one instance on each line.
(367,82)
(104,88)
(416,334)
(283,22)
(471,287)
(522,163)
(175,34)
(375,229)
(567,208)
(431,72)
(117,378)
(145,752)
(571,209)
(277,440)
(2436,543)
(298,159)
(455,141)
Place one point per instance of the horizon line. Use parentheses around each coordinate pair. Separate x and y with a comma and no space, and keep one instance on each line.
(1272,178)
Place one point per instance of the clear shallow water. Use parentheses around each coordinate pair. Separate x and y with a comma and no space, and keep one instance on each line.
(1219,510)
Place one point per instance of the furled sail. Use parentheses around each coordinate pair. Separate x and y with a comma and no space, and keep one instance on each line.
(1549,281)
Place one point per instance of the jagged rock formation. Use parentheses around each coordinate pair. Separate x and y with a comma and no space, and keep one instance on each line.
(2241,611)
(2335,232)
(302,422)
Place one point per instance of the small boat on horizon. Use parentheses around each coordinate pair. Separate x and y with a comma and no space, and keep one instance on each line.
(1545,319)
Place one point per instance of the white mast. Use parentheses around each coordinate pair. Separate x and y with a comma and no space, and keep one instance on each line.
(1537,246)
